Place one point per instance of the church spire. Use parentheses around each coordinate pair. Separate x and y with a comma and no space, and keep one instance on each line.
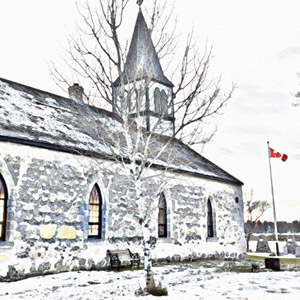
(142,61)
(154,106)
(139,2)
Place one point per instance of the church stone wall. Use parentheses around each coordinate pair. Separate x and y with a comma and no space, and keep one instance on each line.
(47,221)
(187,201)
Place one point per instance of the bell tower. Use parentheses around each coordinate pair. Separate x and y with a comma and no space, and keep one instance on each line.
(147,92)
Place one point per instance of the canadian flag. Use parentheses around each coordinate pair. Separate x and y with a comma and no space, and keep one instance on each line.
(284,157)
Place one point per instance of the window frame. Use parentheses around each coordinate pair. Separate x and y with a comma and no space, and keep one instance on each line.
(210,220)
(100,213)
(164,102)
(4,222)
(162,207)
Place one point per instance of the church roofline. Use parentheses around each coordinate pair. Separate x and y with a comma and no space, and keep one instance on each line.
(94,154)
(34,90)
(168,83)
(26,114)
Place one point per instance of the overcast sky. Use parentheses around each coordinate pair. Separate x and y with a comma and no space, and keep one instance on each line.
(256,44)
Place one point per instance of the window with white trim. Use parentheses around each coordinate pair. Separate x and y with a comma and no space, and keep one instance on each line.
(95,213)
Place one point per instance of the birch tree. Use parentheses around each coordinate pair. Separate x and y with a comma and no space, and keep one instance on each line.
(97,56)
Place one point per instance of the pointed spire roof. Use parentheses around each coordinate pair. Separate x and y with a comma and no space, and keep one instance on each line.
(142,60)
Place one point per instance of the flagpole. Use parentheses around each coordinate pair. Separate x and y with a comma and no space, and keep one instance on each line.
(274,211)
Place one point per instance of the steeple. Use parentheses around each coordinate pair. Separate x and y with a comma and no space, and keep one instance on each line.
(143,89)
(142,61)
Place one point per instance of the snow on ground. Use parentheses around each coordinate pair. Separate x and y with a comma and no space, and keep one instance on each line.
(184,281)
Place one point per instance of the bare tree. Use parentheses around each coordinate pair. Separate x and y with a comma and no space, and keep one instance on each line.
(97,56)
(254,210)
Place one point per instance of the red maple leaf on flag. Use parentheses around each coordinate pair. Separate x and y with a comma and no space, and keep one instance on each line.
(284,157)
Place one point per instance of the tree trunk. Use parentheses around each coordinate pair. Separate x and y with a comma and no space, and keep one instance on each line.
(148,258)
(248,241)
(148,270)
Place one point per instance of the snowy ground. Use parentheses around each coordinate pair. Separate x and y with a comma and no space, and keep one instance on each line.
(184,281)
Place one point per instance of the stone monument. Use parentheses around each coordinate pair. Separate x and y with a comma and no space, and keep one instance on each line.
(297,252)
(262,244)
(291,244)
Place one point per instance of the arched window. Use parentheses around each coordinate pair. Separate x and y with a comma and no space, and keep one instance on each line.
(210,220)
(157,103)
(127,99)
(3,208)
(95,213)
(132,101)
(162,216)
(164,102)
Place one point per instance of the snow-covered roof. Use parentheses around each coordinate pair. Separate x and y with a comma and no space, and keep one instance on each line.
(37,118)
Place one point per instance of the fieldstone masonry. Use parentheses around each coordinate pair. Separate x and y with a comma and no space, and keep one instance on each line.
(47,222)
(47,232)
(13,165)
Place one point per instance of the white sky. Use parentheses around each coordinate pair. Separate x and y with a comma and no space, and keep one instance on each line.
(256,44)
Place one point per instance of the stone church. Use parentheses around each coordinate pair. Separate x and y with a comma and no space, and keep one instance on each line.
(63,200)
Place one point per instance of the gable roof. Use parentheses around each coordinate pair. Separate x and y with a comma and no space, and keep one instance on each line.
(142,60)
(37,118)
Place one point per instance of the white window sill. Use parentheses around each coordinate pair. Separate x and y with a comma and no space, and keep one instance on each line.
(212,239)
(162,240)
(6,245)
(94,241)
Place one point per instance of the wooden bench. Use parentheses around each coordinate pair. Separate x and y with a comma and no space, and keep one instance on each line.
(118,257)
